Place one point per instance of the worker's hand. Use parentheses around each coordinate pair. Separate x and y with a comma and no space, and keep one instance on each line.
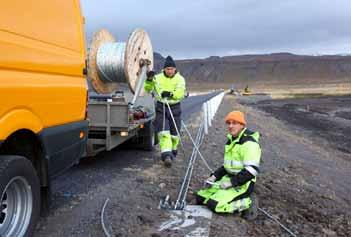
(212,178)
(208,182)
(150,75)
(166,94)
(226,184)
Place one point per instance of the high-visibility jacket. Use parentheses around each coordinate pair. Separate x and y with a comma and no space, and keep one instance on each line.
(241,158)
(160,83)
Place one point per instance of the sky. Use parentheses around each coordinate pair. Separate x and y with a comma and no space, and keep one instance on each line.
(202,28)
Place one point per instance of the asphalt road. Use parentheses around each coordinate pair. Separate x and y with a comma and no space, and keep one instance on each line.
(193,104)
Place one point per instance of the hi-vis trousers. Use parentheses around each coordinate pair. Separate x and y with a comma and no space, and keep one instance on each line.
(166,130)
(226,200)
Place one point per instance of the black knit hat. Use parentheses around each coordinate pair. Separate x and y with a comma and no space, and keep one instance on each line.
(169,62)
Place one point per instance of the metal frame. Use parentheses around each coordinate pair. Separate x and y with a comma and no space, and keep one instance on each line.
(108,119)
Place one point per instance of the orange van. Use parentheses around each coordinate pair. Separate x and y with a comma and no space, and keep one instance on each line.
(43,101)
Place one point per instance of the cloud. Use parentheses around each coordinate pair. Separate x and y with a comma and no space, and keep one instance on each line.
(200,28)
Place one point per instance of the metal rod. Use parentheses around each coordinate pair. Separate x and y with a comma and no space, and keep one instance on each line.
(192,163)
(197,149)
(281,225)
(188,173)
(164,117)
(140,84)
(173,120)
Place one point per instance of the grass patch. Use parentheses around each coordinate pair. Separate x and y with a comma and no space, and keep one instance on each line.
(307,95)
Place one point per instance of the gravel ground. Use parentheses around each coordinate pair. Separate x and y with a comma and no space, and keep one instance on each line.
(304,181)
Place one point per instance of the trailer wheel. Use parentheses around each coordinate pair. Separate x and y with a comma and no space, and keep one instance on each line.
(156,138)
(19,196)
(148,141)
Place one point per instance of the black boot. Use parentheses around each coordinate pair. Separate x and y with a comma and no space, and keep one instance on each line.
(167,158)
(168,161)
(251,213)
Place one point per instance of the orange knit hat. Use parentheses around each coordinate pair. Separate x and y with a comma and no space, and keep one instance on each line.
(236,116)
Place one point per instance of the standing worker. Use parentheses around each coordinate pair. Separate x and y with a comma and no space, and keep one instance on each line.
(169,86)
(230,188)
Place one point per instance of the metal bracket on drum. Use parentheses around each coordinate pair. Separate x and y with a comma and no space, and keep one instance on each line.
(144,64)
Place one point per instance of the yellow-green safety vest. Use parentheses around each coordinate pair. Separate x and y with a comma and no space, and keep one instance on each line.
(161,82)
(242,152)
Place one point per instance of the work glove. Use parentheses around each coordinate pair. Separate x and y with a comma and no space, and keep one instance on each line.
(166,94)
(209,180)
(225,185)
(150,75)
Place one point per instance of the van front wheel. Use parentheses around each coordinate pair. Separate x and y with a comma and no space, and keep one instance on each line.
(20,196)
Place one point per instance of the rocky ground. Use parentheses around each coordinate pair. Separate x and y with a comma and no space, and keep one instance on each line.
(304,181)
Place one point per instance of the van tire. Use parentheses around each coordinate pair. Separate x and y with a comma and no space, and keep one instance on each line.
(19,196)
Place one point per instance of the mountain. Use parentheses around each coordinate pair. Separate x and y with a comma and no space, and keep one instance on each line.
(159,60)
(279,68)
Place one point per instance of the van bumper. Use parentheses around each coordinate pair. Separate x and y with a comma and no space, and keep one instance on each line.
(64,145)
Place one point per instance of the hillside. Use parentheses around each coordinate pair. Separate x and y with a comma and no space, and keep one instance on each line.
(278,68)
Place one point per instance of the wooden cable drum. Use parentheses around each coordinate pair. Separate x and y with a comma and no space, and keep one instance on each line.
(111,63)
(99,38)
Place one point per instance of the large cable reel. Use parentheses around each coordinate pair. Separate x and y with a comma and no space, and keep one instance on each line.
(111,63)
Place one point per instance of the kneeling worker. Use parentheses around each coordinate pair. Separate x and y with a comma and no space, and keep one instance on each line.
(230,188)
(168,86)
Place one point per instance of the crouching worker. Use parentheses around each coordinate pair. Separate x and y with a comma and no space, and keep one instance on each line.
(230,188)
